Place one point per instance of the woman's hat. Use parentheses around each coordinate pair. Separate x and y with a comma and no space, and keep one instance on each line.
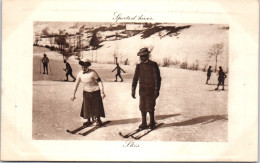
(143,51)
(85,62)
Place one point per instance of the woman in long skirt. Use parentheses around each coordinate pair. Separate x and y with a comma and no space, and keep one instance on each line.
(93,93)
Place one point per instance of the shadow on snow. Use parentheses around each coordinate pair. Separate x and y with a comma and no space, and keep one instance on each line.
(203,120)
(135,120)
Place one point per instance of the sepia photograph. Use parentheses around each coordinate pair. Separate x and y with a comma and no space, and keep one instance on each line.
(129,81)
(173,78)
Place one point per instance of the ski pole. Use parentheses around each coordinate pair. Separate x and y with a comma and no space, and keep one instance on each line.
(50,68)
(40,67)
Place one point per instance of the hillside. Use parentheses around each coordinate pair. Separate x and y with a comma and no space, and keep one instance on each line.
(180,44)
(189,45)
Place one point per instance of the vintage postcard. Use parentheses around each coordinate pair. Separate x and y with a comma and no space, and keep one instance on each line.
(130,81)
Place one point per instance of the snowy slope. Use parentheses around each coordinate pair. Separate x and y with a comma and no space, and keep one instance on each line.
(191,45)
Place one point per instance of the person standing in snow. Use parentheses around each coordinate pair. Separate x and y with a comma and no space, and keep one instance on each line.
(118,72)
(45,61)
(208,74)
(148,75)
(221,78)
(93,93)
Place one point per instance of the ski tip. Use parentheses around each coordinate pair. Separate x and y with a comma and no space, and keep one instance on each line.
(120,133)
(136,138)
(124,136)
(70,132)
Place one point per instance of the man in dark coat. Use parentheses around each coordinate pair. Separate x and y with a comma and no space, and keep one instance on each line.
(118,72)
(148,74)
(68,71)
(221,78)
(45,61)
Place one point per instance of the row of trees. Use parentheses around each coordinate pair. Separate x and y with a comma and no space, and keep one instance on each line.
(63,44)
(214,52)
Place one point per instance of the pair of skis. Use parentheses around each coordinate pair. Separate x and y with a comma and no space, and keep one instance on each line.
(89,131)
(134,134)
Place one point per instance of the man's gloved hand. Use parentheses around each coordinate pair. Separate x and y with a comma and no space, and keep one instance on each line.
(133,92)
(156,94)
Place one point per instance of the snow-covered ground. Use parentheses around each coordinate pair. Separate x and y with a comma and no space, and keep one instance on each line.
(191,45)
(190,109)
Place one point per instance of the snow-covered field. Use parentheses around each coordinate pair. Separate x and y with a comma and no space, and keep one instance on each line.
(191,45)
(190,109)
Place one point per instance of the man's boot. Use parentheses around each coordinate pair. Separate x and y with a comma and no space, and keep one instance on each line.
(152,122)
(217,87)
(99,122)
(144,124)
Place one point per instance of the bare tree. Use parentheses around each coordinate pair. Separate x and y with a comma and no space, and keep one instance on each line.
(215,51)
(94,43)
(61,41)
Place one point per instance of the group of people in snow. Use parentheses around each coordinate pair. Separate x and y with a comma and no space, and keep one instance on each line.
(68,69)
(221,77)
(147,73)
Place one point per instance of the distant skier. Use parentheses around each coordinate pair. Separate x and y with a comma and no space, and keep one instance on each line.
(118,72)
(148,74)
(126,61)
(221,78)
(68,71)
(208,74)
(45,61)
(93,93)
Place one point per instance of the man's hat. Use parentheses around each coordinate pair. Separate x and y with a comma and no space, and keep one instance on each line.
(143,51)
(85,63)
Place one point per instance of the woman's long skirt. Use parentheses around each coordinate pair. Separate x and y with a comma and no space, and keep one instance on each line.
(92,105)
